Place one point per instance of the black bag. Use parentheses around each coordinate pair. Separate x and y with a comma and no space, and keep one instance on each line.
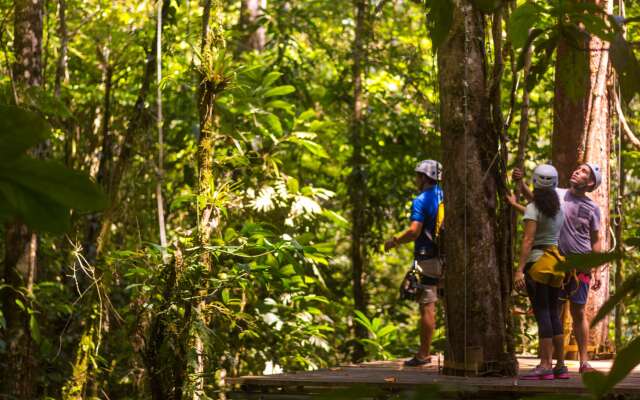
(410,285)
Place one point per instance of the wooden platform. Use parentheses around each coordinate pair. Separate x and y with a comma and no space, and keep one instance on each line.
(393,376)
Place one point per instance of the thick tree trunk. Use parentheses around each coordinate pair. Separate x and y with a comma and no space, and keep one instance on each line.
(598,151)
(27,43)
(476,327)
(254,33)
(20,259)
(358,184)
(582,133)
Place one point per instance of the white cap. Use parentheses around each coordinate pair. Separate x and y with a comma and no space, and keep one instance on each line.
(545,176)
(430,168)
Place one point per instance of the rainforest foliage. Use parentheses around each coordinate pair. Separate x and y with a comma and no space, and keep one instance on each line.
(174,215)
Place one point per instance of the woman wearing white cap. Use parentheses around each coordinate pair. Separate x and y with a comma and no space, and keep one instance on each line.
(543,218)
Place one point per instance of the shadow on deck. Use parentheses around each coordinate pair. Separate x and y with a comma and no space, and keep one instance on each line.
(392,377)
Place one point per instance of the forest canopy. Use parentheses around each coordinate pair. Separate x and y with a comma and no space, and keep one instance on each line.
(191,190)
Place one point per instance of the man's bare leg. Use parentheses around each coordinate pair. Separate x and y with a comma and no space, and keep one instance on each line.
(580,330)
(427,327)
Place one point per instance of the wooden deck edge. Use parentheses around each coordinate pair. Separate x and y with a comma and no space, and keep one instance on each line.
(252,384)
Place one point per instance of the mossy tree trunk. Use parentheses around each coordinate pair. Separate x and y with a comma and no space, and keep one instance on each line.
(477,328)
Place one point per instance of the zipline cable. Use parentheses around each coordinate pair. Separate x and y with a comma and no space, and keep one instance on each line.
(465,93)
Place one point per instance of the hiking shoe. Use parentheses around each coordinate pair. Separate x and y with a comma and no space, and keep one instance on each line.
(585,367)
(538,374)
(560,371)
(416,362)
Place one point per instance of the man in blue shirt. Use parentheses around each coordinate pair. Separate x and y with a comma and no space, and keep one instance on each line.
(427,214)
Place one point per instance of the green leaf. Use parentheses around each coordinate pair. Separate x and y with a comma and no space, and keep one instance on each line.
(631,286)
(279,91)
(522,19)
(627,359)
(545,47)
(20,304)
(282,105)
(585,262)
(34,328)
(363,320)
(274,123)
(37,211)
(54,181)
(19,130)
(225,295)
(314,148)
(439,19)
(626,65)
(270,78)
(386,330)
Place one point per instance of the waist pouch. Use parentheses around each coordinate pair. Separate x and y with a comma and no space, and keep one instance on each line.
(544,269)
(432,267)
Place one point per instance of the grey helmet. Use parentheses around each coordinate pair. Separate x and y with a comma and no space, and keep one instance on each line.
(595,170)
(545,176)
(430,168)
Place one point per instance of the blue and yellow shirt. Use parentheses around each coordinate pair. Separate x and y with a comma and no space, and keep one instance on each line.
(426,208)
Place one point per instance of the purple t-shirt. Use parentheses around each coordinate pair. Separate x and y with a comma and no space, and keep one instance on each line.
(581,217)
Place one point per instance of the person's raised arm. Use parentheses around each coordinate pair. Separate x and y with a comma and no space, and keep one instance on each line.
(517,175)
(409,235)
(511,199)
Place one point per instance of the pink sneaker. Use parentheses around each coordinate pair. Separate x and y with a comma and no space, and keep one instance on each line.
(585,367)
(538,374)
(560,371)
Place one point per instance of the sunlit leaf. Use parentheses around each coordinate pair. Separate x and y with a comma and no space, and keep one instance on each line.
(279,91)
(522,19)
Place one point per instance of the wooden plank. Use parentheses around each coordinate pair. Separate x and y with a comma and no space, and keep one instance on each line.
(392,375)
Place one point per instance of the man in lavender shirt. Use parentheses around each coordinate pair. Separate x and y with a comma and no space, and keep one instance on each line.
(579,234)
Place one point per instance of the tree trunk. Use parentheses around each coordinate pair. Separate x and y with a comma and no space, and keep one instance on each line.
(62,73)
(477,332)
(254,33)
(98,230)
(358,184)
(211,86)
(20,259)
(582,133)
(27,43)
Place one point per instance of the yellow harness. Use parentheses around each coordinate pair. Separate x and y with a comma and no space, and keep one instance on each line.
(544,270)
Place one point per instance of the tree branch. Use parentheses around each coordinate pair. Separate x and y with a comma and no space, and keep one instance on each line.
(625,126)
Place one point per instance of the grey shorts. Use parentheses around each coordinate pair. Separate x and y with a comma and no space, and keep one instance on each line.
(428,294)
